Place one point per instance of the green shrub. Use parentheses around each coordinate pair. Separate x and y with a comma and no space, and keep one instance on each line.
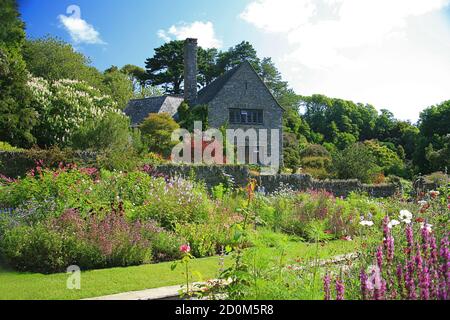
(178,201)
(356,162)
(208,238)
(90,243)
(157,131)
(5,146)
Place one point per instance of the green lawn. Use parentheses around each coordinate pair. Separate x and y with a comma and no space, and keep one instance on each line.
(31,286)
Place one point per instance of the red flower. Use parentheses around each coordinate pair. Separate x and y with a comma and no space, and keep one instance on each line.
(420,220)
(185,248)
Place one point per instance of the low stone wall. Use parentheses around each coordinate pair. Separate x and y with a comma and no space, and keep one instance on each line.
(296,182)
(214,175)
(211,175)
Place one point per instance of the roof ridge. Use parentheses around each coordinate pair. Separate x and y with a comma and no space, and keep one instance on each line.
(148,98)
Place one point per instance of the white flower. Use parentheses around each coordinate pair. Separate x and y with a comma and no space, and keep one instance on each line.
(427,226)
(406,216)
(422,202)
(366,223)
(393,223)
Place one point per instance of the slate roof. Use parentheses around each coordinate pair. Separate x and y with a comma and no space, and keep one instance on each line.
(139,109)
(210,91)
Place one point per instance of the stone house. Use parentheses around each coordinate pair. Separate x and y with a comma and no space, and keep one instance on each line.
(238,99)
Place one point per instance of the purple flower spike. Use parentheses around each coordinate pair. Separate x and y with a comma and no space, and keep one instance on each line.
(409,239)
(400,279)
(363,280)
(340,290)
(326,287)
(379,256)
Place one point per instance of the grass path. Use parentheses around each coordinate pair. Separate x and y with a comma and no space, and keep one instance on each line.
(32,286)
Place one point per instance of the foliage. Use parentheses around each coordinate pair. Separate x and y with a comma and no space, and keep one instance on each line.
(5,146)
(439,178)
(157,131)
(178,201)
(188,115)
(407,259)
(386,159)
(91,242)
(64,106)
(166,67)
(17,116)
(111,131)
(291,151)
(356,162)
(316,160)
(210,237)
(118,86)
(53,59)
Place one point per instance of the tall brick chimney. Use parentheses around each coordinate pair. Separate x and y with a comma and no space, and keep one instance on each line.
(190,70)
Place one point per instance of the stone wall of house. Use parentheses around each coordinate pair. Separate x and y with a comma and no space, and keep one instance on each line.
(245,90)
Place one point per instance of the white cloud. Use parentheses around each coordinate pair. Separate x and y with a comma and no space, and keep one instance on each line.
(393,54)
(203,31)
(80,31)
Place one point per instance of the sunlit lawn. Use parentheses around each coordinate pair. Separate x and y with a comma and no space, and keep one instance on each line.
(32,286)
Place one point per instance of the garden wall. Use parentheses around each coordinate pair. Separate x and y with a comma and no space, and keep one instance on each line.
(16,164)
(214,175)
(211,175)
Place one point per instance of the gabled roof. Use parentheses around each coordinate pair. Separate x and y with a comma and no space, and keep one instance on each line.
(139,109)
(208,93)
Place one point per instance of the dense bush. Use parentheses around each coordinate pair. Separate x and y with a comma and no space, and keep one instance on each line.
(316,213)
(91,242)
(64,107)
(178,201)
(157,133)
(69,215)
(316,160)
(356,162)
(210,237)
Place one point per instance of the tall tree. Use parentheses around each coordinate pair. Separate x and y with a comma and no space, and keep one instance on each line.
(244,51)
(17,117)
(53,59)
(139,78)
(118,86)
(166,67)
(433,143)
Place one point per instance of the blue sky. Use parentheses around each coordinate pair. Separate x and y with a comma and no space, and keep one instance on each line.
(392,54)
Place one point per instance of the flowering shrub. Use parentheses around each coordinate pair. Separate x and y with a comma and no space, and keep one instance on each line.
(70,239)
(88,190)
(300,213)
(64,106)
(174,201)
(207,238)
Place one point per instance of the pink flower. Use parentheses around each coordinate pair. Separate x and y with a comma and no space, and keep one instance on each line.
(185,248)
